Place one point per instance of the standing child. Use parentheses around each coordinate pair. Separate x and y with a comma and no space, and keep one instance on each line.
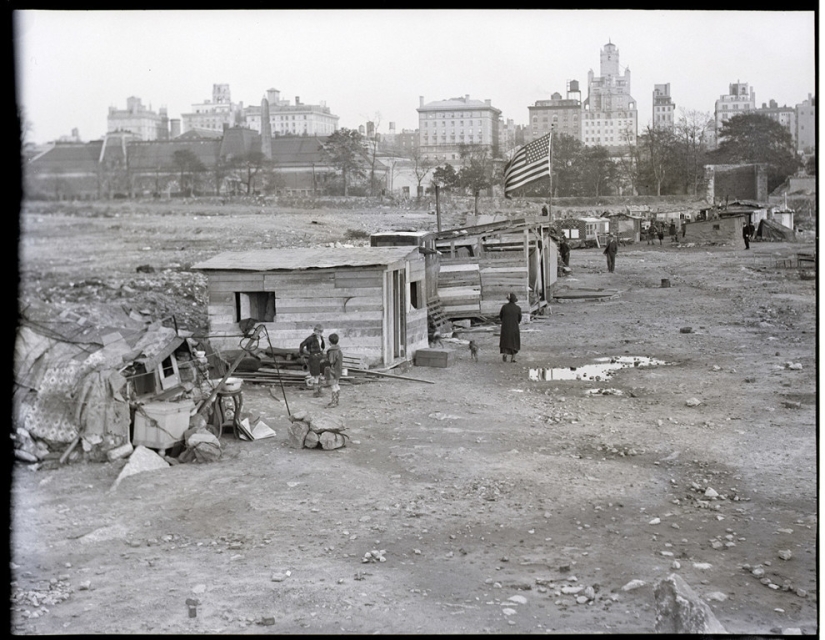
(336,362)
(313,349)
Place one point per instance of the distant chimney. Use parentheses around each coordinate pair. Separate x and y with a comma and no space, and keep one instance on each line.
(420,101)
(466,97)
(488,102)
(392,127)
(297,100)
(75,133)
(174,127)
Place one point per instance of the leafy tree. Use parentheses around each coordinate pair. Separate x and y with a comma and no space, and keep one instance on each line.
(345,150)
(756,138)
(628,163)
(810,166)
(476,172)
(598,171)
(445,177)
(187,164)
(567,165)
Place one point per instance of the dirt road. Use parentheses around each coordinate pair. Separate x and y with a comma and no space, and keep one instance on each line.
(491,496)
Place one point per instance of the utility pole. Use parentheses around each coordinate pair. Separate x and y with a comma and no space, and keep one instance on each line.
(437,210)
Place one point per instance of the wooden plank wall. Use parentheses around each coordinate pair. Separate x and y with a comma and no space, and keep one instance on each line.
(459,286)
(503,272)
(346,301)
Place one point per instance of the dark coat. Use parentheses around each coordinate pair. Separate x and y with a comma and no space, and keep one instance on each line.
(510,316)
(612,248)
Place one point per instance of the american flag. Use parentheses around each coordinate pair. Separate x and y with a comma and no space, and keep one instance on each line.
(530,163)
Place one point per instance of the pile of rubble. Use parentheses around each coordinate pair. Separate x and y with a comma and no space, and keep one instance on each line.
(312,431)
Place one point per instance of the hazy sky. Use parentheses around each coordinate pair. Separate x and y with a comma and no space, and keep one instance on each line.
(73,65)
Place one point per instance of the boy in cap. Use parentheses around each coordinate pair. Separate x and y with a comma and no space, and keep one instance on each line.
(313,348)
(335,358)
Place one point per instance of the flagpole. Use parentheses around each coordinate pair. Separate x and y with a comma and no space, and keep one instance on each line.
(550,167)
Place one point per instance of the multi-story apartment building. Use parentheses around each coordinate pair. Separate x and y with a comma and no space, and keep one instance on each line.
(445,125)
(292,119)
(399,142)
(139,120)
(806,125)
(739,99)
(510,136)
(784,115)
(214,115)
(561,115)
(610,117)
(663,107)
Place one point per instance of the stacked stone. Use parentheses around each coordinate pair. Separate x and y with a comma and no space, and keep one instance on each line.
(313,431)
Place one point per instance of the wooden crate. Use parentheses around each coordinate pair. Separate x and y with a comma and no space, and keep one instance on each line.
(434,358)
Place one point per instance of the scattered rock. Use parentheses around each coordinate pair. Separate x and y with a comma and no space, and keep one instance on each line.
(279,577)
(590,593)
(679,609)
(655,521)
(785,554)
(569,591)
(518,599)
(693,402)
(792,631)
(758,572)
(142,459)
(702,566)
(581,599)
(633,584)
(675,565)
(718,596)
(711,493)
(801,592)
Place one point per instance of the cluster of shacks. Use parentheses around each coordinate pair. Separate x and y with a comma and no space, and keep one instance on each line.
(81,384)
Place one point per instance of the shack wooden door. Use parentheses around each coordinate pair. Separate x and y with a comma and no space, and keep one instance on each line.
(395,318)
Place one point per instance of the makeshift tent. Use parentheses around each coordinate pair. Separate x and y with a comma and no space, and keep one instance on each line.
(775,232)
(70,382)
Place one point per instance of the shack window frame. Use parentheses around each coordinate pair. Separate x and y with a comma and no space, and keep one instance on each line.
(255,305)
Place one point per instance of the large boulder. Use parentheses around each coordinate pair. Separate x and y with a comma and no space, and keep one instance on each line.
(679,609)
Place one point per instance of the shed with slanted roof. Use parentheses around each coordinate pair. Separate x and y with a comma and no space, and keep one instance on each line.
(372,297)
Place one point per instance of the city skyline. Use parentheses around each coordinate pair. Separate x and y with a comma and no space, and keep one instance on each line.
(72,66)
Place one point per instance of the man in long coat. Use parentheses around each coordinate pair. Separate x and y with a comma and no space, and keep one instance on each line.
(510,341)
(610,251)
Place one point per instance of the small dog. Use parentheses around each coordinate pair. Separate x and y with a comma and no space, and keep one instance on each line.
(473,351)
(435,340)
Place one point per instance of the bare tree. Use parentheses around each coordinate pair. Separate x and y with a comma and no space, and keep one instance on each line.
(691,130)
(421,167)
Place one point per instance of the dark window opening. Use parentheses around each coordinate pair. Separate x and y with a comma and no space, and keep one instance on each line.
(167,367)
(255,305)
(417,294)
(716,227)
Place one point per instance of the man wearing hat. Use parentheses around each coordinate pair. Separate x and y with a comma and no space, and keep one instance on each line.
(313,347)
(510,341)
(610,251)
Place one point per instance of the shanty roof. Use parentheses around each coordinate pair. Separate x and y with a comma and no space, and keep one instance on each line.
(238,141)
(81,157)
(307,258)
(160,154)
(298,151)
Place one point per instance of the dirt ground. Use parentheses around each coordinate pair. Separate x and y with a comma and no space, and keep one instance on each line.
(489,494)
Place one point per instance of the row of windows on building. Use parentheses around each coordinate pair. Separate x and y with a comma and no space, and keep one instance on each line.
(460,124)
(449,115)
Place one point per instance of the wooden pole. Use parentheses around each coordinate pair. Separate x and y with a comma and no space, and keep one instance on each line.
(437,210)
(389,375)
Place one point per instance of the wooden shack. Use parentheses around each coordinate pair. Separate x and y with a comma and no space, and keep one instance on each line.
(482,264)
(425,241)
(584,232)
(725,230)
(626,227)
(372,297)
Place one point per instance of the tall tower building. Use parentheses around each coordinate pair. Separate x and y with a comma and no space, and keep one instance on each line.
(663,107)
(610,115)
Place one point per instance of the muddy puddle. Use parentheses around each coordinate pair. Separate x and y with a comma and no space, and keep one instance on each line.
(602,369)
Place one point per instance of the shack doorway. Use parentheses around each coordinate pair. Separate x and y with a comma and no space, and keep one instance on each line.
(396,315)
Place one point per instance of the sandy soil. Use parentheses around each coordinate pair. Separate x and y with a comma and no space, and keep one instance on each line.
(489,494)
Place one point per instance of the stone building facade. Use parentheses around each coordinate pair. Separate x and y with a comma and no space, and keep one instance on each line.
(610,117)
(446,125)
